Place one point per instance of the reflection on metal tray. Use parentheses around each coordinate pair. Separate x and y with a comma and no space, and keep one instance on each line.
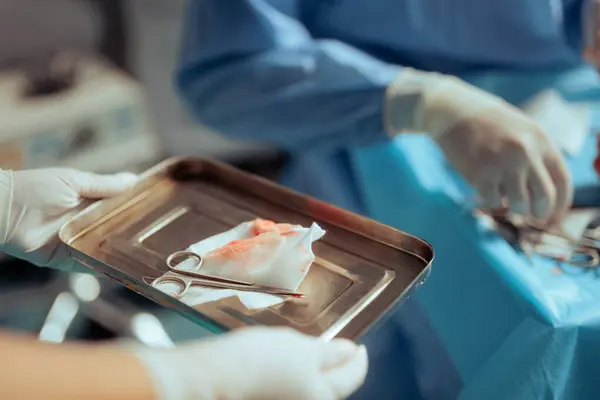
(362,268)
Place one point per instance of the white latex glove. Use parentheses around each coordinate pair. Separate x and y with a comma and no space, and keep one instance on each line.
(34,204)
(504,154)
(257,364)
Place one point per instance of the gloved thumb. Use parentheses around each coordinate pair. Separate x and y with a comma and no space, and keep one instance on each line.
(337,352)
(345,379)
(94,186)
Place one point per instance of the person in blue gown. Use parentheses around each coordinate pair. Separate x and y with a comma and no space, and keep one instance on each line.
(318,78)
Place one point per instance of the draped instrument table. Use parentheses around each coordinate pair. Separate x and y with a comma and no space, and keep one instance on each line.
(515,329)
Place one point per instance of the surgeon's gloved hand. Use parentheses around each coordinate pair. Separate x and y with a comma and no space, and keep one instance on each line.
(257,364)
(503,153)
(34,204)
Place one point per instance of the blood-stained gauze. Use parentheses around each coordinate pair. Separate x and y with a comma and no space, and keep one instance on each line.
(260,251)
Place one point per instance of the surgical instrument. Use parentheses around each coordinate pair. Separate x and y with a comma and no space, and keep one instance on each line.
(186,279)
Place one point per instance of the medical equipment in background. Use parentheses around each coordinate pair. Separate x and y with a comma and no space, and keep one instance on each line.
(83,296)
(74,112)
(155,27)
(61,307)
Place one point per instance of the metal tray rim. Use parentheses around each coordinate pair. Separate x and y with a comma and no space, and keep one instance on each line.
(152,171)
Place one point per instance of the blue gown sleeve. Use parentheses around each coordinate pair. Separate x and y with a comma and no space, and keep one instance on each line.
(251,70)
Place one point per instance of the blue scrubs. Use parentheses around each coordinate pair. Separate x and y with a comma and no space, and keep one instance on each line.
(310,76)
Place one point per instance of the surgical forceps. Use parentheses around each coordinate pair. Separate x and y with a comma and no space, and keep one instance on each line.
(186,278)
(530,236)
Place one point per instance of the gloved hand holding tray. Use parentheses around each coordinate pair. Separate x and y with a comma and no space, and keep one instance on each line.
(360,269)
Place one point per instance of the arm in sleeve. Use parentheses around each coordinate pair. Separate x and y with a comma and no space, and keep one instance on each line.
(253,72)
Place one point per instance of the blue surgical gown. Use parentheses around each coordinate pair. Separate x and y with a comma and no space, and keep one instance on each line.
(309,76)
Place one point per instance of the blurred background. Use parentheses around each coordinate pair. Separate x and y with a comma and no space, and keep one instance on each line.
(88,84)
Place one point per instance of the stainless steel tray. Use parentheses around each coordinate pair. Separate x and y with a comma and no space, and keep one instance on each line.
(362,268)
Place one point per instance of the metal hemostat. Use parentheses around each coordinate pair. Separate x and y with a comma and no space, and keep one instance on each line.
(552,243)
(188,277)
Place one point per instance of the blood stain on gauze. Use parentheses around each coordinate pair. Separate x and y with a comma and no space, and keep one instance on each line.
(262,226)
(245,258)
(276,255)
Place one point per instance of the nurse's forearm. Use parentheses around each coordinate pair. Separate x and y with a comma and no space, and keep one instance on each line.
(30,369)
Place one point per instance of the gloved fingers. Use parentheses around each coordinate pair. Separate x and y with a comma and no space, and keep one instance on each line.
(542,192)
(336,352)
(516,192)
(94,186)
(564,187)
(346,378)
(490,194)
